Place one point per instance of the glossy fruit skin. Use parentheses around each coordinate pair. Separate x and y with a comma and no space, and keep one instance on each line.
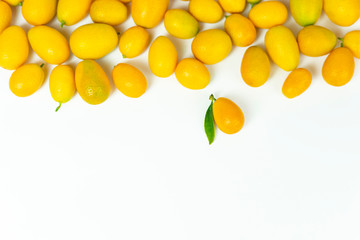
(62,83)
(70,12)
(306,12)
(181,24)
(343,13)
(13,2)
(192,74)
(162,57)
(148,13)
(91,82)
(255,67)
(134,41)
(232,6)
(296,83)
(112,12)
(26,80)
(208,11)
(352,42)
(228,116)
(93,41)
(282,47)
(5,16)
(253,1)
(129,80)
(49,44)
(316,41)
(211,46)
(339,67)
(241,30)
(268,14)
(39,12)
(14,48)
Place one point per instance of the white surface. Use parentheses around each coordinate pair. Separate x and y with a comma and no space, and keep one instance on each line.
(142,169)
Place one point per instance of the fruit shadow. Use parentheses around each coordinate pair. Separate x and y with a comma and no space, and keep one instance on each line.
(339,32)
(32,55)
(16,12)
(212,71)
(178,43)
(274,71)
(294,27)
(315,73)
(172,5)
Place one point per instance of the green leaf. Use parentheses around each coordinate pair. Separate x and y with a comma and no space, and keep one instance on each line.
(57,109)
(209,124)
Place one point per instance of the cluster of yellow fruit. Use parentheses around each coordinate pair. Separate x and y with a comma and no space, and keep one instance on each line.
(93,41)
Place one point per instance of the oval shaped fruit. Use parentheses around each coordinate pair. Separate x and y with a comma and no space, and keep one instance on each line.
(6,14)
(343,13)
(241,30)
(306,12)
(352,42)
(255,67)
(192,74)
(62,84)
(162,57)
(148,13)
(129,80)
(91,82)
(316,41)
(133,42)
(39,12)
(14,2)
(93,41)
(228,116)
(282,47)
(211,46)
(14,48)
(339,67)
(268,14)
(233,6)
(112,12)
(49,44)
(26,80)
(70,12)
(181,24)
(296,83)
(208,11)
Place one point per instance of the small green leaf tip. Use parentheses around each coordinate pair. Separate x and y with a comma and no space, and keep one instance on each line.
(57,109)
(123,56)
(212,98)
(20,4)
(62,23)
(42,65)
(209,124)
(226,16)
(342,41)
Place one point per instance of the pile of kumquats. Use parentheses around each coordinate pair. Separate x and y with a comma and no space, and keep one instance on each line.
(93,41)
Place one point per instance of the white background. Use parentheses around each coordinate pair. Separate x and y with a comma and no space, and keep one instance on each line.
(136,169)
